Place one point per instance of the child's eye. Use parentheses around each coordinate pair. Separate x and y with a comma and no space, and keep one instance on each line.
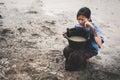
(82,19)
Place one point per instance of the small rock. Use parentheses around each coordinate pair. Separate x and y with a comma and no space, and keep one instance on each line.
(96,8)
(3,44)
(9,72)
(5,54)
(35,34)
(2,3)
(53,73)
(1,17)
(98,57)
(50,78)
(6,31)
(57,60)
(14,66)
(32,12)
(1,23)
(112,13)
(31,60)
(21,30)
(50,22)
(60,74)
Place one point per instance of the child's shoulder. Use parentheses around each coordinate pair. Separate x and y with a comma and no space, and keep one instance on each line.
(94,24)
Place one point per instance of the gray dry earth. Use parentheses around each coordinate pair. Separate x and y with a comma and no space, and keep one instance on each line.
(31,43)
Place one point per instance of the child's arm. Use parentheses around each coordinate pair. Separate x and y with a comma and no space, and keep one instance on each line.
(96,37)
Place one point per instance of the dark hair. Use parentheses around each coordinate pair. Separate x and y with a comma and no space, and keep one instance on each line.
(85,12)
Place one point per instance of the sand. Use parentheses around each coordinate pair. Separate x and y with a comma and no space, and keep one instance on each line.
(31,40)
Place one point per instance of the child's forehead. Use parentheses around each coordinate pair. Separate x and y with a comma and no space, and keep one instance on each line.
(81,16)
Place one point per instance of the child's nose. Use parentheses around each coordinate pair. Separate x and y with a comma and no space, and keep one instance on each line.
(80,21)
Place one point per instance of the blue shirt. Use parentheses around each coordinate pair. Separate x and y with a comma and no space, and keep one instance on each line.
(92,41)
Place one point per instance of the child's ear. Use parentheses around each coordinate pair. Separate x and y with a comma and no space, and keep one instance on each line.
(90,19)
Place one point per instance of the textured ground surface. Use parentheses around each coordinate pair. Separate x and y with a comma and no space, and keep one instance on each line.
(31,41)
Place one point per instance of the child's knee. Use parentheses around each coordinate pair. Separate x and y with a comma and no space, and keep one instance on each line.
(67,51)
(90,55)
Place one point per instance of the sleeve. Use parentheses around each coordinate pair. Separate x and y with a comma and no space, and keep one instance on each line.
(99,32)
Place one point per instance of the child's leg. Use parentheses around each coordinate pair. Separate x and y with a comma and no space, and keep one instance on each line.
(89,54)
(67,50)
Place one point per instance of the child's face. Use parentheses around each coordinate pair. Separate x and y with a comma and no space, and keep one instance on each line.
(82,19)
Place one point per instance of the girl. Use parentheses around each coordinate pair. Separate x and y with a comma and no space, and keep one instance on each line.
(96,36)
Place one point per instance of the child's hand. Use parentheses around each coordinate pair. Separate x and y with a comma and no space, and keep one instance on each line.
(64,34)
(88,25)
